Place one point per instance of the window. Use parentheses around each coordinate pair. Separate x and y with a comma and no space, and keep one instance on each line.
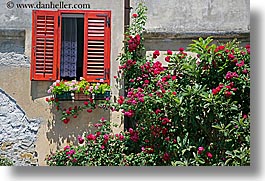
(71,44)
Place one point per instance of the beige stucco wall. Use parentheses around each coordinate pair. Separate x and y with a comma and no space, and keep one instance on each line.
(31,95)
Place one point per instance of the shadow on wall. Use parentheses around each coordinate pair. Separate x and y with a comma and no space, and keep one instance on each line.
(39,89)
(60,134)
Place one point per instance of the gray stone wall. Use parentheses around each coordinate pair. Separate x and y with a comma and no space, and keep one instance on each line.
(178,16)
(12,40)
(14,59)
(17,133)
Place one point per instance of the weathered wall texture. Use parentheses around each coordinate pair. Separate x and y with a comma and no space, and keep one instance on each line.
(17,133)
(178,16)
(173,24)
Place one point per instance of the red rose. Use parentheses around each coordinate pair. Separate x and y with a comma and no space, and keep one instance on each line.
(166,157)
(231,56)
(89,110)
(214,91)
(200,150)
(135,15)
(158,111)
(209,155)
(66,121)
(181,49)
(174,77)
(91,137)
(156,53)
(169,52)
(167,59)
(68,112)
(227,94)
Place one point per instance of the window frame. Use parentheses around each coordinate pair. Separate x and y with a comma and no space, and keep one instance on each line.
(57,14)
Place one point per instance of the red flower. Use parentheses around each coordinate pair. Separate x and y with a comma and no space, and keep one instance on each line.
(221,47)
(158,111)
(200,150)
(234,89)
(167,139)
(166,157)
(245,116)
(68,112)
(174,77)
(47,99)
(209,155)
(215,91)
(66,147)
(98,133)
(146,81)
(156,53)
(221,86)
(75,116)
(129,113)
(86,103)
(115,77)
(164,131)
(231,56)
(181,49)
(66,121)
(121,100)
(89,110)
(167,59)
(174,93)
(135,15)
(245,71)
(227,94)
(169,52)
(91,100)
(91,137)
(80,140)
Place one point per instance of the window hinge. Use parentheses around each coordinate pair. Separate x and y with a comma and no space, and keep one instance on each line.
(108,21)
(107,18)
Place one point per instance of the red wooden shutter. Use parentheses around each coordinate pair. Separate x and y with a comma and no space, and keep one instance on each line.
(97,46)
(44,45)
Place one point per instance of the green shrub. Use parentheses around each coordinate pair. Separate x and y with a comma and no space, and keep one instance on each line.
(196,112)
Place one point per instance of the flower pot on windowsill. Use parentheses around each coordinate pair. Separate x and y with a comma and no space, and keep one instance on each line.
(80,96)
(101,96)
(65,96)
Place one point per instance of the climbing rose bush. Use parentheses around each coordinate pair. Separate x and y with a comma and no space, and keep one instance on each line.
(194,112)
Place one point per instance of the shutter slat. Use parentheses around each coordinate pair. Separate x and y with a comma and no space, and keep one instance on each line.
(96,49)
(44,42)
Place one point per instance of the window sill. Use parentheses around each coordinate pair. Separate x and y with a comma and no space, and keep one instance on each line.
(73,96)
